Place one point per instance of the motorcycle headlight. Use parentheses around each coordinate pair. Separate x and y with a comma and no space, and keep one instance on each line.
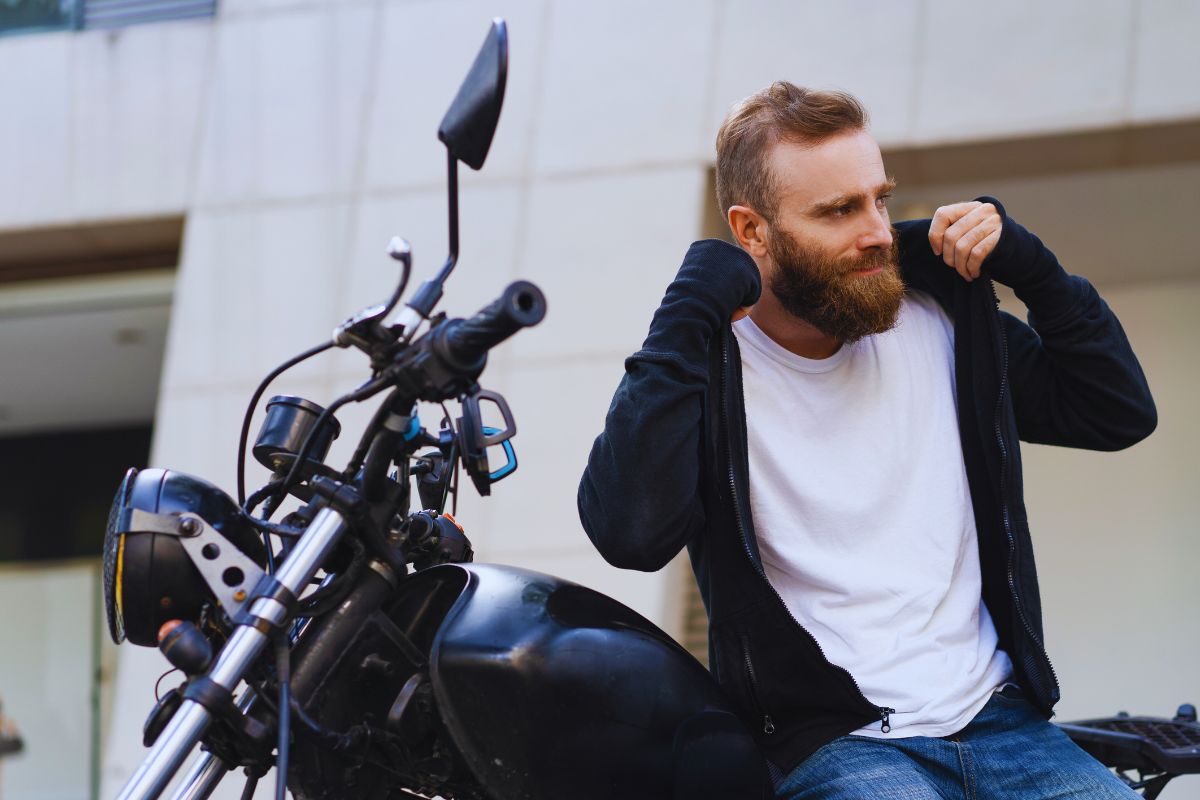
(148,576)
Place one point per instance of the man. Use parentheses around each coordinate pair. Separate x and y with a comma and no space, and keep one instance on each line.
(841,462)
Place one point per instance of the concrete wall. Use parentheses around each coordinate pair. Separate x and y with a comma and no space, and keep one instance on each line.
(50,621)
(299,136)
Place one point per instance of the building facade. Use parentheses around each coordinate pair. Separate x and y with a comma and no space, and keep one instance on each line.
(293,138)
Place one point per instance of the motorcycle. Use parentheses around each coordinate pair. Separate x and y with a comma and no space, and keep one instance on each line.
(451,678)
(355,646)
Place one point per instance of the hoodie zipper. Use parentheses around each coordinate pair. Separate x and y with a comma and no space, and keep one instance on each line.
(1005,515)
(768,724)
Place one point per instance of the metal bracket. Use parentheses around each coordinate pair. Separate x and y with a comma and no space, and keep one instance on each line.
(229,573)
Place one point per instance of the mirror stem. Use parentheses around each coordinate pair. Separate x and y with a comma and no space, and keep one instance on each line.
(452,192)
(430,292)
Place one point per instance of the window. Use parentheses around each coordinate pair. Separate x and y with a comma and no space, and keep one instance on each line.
(31,16)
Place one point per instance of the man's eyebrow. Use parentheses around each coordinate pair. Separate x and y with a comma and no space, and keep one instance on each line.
(851,199)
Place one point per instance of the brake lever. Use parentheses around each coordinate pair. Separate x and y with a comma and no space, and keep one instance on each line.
(365,330)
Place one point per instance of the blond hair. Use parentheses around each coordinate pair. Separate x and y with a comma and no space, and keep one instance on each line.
(780,112)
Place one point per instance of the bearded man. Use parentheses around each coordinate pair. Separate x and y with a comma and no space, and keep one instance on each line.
(838,452)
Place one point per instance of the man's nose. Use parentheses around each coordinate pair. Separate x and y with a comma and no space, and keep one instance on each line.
(878,232)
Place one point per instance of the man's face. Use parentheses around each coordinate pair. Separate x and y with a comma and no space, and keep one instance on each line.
(831,245)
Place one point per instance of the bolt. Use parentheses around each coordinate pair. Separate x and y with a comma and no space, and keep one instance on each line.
(239,595)
(189,527)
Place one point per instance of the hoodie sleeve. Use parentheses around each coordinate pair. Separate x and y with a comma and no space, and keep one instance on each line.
(1074,377)
(639,498)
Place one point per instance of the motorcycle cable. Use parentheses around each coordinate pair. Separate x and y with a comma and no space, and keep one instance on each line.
(330,596)
(452,463)
(284,367)
(260,494)
(258,393)
(276,528)
(283,671)
(309,727)
(248,507)
(360,452)
(368,389)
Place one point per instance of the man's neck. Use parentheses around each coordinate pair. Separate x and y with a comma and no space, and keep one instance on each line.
(790,332)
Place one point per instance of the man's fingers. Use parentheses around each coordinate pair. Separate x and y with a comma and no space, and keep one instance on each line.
(943,218)
(958,230)
(981,251)
(960,241)
(968,240)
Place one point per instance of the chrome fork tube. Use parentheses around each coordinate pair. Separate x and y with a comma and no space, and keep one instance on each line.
(191,720)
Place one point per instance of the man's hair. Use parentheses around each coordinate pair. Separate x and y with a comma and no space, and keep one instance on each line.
(782,112)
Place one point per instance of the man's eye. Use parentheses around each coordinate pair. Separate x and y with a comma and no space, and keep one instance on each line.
(882,200)
(840,211)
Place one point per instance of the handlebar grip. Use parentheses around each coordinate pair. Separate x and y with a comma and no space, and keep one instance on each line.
(522,305)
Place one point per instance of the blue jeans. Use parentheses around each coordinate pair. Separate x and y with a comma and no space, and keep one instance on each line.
(1008,751)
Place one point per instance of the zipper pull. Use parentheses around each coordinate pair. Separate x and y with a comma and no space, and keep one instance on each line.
(768,724)
(885,715)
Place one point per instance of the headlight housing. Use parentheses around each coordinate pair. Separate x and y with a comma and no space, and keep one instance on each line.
(148,576)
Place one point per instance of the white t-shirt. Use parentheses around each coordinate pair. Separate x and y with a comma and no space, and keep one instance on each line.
(860,503)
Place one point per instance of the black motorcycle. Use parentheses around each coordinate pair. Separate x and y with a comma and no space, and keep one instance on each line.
(376,680)
(354,646)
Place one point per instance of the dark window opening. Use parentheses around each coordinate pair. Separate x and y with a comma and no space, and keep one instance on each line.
(57,488)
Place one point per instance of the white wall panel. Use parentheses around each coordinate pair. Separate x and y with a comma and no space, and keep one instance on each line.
(47,616)
(138,94)
(256,286)
(604,248)
(489,229)
(865,48)
(286,109)
(994,69)
(428,47)
(1165,81)
(559,407)
(229,9)
(196,431)
(35,136)
(625,84)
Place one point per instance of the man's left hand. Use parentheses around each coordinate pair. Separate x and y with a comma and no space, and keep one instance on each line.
(964,234)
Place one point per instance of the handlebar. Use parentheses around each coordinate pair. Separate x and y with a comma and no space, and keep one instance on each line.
(443,365)
(521,305)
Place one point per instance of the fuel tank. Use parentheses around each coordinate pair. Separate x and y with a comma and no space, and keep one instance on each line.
(552,690)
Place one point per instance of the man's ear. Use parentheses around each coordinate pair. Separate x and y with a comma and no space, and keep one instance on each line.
(749,228)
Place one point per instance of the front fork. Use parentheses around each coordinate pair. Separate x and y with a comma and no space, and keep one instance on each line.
(192,719)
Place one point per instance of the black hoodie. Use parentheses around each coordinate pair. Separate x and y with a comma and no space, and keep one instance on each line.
(670,468)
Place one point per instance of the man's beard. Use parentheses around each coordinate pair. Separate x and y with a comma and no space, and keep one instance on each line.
(823,291)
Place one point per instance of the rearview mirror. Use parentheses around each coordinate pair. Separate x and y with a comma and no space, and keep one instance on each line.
(470,122)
